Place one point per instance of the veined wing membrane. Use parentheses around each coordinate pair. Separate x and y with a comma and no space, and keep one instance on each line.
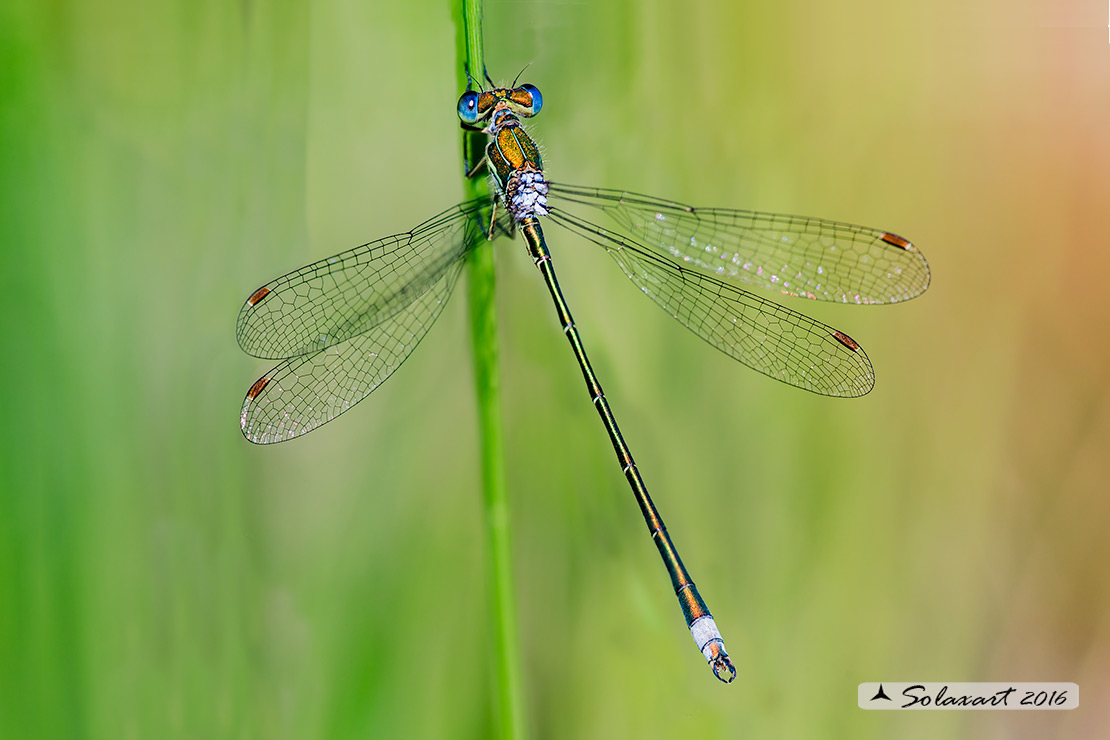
(332,300)
(765,336)
(309,390)
(808,257)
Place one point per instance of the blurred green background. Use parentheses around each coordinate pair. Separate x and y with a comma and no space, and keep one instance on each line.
(162,578)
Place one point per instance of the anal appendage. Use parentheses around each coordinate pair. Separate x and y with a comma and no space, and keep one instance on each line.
(709,641)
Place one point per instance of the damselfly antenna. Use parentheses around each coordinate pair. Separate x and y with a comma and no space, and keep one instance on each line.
(518,74)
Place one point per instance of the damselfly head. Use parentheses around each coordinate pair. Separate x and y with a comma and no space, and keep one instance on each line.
(476,105)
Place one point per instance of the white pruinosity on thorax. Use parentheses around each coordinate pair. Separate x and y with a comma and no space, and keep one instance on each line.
(526,194)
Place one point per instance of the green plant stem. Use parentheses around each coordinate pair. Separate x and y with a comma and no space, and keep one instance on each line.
(483,323)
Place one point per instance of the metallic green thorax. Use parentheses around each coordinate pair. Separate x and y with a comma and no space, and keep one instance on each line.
(512,150)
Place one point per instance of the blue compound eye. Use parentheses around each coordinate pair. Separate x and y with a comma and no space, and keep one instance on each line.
(468,107)
(537,99)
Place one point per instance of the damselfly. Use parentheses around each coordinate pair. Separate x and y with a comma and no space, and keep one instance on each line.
(342,325)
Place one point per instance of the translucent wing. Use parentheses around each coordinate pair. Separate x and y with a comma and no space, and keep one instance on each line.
(765,336)
(808,257)
(330,301)
(309,390)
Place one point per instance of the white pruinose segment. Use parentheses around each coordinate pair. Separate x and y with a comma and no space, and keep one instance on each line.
(704,631)
(527,194)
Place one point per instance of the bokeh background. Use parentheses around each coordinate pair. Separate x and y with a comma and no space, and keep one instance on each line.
(162,578)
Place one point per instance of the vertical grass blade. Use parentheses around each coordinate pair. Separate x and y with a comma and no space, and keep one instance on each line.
(483,323)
